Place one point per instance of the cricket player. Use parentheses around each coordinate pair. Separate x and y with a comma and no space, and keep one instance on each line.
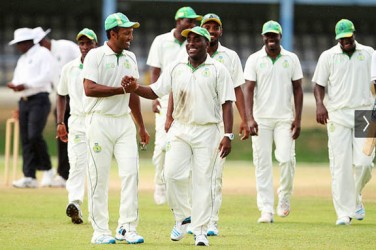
(163,51)
(64,51)
(345,71)
(71,83)
(201,87)
(111,131)
(32,79)
(273,77)
(231,61)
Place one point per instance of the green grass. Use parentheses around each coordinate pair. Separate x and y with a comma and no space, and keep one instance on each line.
(35,219)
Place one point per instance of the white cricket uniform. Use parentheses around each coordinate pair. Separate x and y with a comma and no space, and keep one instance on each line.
(71,83)
(110,131)
(64,51)
(231,61)
(273,111)
(163,51)
(348,81)
(192,144)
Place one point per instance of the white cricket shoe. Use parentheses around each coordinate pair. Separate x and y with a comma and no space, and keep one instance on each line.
(48,176)
(58,182)
(266,218)
(180,229)
(130,237)
(344,221)
(212,229)
(360,212)
(103,239)
(160,194)
(283,208)
(189,229)
(74,212)
(201,240)
(25,182)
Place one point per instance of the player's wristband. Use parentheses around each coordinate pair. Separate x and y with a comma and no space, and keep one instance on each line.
(60,123)
(124,89)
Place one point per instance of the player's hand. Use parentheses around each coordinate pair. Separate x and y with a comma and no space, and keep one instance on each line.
(144,136)
(16,88)
(253,127)
(61,132)
(244,131)
(156,106)
(168,123)
(295,129)
(129,83)
(224,147)
(321,114)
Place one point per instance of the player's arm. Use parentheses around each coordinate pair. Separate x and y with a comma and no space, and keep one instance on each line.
(94,89)
(321,112)
(130,85)
(61,130)
(225,145)
(249,89)
(155,73)
(135,106)
(298,103)
(240,105)
(170,110)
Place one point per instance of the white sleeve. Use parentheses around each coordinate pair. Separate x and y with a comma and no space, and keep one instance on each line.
(297,69)
(225,85)
(373,67)
(90,70)
(48,70)
(237,72)
(163,85)
(250,69)
(62,87)
(321,75)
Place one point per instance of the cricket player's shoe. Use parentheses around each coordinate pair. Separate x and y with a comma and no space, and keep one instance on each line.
(130,237)
(212,229)
(201,240)
(74,211)
(103,239)
(343,221)
(25,182)
(180,229)
(283,208)
(58,182)
(189,229)
(266,218)
(360,212)
(160,194)
(48,176)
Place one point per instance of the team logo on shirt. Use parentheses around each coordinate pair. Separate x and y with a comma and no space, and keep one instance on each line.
(285,64)
(361,57)
(220,59)
(262,65)
(76,139)
(206,72)
(331,127)
(97,148)
(127,64)
(110,65)
(168,146)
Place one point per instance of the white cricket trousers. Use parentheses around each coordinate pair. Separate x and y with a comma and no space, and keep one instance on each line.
(279,131)
(112,136)
(160,145)
(349,166)
(191,149)
(77,155)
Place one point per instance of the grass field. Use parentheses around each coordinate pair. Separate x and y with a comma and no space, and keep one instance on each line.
(35,219)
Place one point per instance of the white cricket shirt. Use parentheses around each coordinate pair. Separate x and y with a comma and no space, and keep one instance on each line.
(273,90)
(103,66)
(71,83)
(36,69)
(163,51)
(198,93)
(347,79)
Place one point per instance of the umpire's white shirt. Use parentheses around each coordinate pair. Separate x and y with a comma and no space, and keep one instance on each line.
(103,66)
(36,70)
(198,93)
(273,90)
(347,79)
(71,83)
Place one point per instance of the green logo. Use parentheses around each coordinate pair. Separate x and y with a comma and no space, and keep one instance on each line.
(361,57)
(127,64)
(285,64)
(77,139)
(97,148)
(168,146)
(206,72)
(221,59)
(262,65)
(331,127)
(110,65)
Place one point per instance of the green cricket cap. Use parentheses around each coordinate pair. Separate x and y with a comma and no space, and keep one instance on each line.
(344,28)
(211,17)
(88,33)
(187,12)
(120,20)
(271,27)
(198,30)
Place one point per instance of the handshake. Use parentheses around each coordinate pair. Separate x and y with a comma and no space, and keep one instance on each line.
(129,84)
